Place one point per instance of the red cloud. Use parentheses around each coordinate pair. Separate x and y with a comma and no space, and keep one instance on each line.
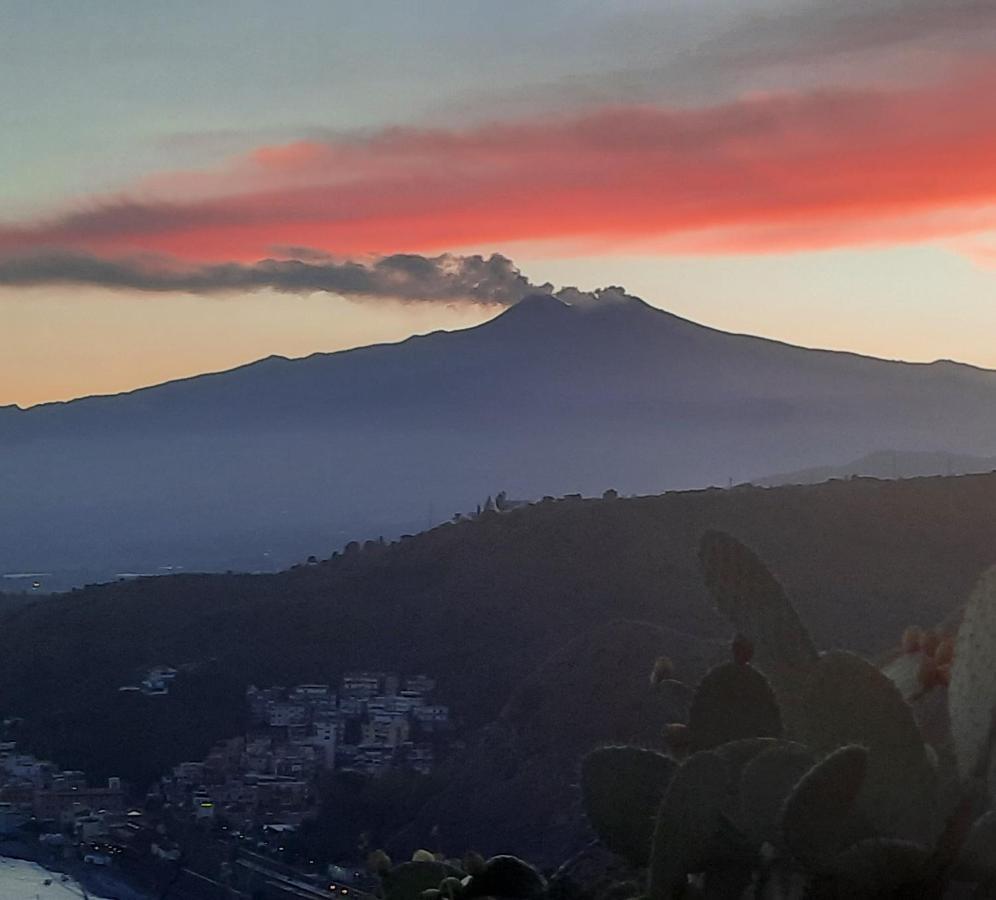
(765,173)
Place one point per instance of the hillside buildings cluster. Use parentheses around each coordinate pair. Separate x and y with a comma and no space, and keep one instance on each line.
(268,778)
(154,683)
(73,810)
(253,789)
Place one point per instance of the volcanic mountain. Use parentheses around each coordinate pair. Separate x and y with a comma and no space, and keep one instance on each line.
(264,464)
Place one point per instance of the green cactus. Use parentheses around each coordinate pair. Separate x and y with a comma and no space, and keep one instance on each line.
(506,876)
(852,806)
(849,701)
(972,691)
(818,819)
(622,788)
(687,823)
(767,780)
(750,597)
(731,702)
(408,880)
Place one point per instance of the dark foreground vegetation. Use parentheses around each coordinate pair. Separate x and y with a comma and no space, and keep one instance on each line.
(811,775)
(541,625)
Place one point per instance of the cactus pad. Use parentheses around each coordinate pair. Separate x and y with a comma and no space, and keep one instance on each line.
(849,701)
(506,876)
(408,880)
(732,701)
(687,823)
(972,692)
(622,788)
(753,601)
(766,782)
(818,816)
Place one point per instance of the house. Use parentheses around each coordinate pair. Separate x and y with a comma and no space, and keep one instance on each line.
(362,685)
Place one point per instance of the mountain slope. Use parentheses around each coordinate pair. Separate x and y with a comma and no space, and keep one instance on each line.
(262,465)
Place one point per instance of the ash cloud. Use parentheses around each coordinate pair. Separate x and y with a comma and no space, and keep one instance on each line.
(493,280)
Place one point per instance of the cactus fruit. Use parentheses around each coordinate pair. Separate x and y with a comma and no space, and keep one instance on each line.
(732,701)
(743,650)
(931,641)
(408,880)
(423,856)
(818,816)
(688,821)
(753,601)
(849,701)
(506,876)
(677,738)
(926,675)
(944,654)
(662,671)
(622,787)
(912,639)
(765,783)
(972,691)
(378,862)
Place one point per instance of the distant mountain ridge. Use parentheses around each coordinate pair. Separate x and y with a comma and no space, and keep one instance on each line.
(259,466)
(887,464)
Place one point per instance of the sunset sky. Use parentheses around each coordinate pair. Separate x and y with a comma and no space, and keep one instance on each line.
(188,186)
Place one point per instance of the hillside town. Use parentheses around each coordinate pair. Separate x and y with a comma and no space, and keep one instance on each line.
(250,791)
(374,723)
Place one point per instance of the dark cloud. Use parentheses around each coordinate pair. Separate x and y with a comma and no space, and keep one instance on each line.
(407,277)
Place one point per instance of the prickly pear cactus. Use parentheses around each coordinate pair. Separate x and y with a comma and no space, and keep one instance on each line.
(506,876)
(732,701)
(688,821)
(818,819)
(750,597)
(408,880)
(766,782)
(972,691)
(849,701)
(622,788)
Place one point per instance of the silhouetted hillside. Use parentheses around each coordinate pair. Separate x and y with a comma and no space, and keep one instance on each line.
(481,605)
(257,467)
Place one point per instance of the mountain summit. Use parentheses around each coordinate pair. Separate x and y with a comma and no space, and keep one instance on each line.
(262,465)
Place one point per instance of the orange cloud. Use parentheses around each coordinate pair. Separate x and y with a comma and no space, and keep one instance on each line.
(765,173)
